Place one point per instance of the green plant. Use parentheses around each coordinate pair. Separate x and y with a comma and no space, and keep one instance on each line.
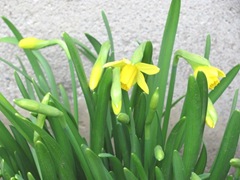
(128,130)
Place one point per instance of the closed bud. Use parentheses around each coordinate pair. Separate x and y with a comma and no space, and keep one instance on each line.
(123,118)
(34,43)
(97,69)
(116,91)
(154,99)
(235,162)
(211,116)
(158,153)
(37,107)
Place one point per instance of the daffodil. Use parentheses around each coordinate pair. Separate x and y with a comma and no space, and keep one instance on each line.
(35,43)
(132,73)
(97,69)
(199,63)
(212,74)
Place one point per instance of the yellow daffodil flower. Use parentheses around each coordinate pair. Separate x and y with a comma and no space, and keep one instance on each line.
(133,73)
(212,74)
(199,63)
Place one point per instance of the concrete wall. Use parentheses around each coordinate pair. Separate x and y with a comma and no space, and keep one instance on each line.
(130,21)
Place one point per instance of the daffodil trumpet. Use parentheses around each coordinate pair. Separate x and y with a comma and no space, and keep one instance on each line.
(133,73)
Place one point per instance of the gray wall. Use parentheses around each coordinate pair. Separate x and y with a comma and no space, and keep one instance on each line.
(131,21)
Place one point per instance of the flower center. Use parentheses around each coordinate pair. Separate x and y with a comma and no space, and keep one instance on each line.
(128,76)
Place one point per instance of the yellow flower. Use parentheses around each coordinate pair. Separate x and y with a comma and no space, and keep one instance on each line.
(212,74)
(133,73)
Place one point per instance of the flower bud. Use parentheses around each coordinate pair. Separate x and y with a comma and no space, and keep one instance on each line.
(123,118)
(34,43)
(97,69)
(235,162)
(211,116)
(116,92)
(37,107)
(158,153)
(154,99)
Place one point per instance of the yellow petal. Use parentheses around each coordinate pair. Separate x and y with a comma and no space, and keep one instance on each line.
(142,83)
(220,73)
(147,68)
(128,76)
(120,63)
(95,76)
(211,116)
(212,74)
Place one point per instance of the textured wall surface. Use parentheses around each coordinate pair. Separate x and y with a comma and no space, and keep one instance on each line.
(131,21)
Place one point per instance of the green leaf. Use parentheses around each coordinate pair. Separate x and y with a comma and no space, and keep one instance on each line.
(10,40)
(174,142)
(195,108)
(64,97)
(47,166)
(31,57)
(226,152)
(61,161)
(224,83)
(80,72)
(28,162)
(129,175)
(49,74)
(178,166)
(164,59)
(202,161)
(95,43)
(8,158)
(6,171)
(21,86)
(234,102)
(140,115)
(139,168)
(115,164)
(106,23)
(85,51)
(95,164)
(158,173)
(99,122)
(10,113)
